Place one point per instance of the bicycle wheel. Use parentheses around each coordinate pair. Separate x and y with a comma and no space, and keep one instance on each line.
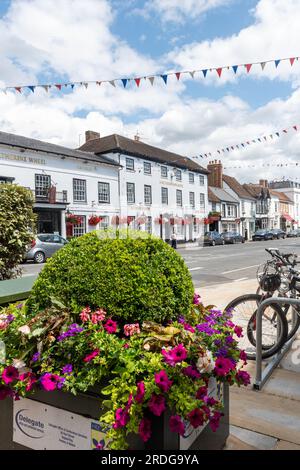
(274,325)
(293,319)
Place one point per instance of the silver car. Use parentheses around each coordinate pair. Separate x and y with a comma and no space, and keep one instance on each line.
(43,246)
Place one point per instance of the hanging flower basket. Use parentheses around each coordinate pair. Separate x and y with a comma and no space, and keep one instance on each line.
(73,219)
(95,220)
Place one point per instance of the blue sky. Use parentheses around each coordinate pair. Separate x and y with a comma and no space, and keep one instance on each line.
(61,40)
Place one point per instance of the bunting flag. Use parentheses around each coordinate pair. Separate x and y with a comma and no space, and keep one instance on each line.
(247,143)
(125,81)
(263,165)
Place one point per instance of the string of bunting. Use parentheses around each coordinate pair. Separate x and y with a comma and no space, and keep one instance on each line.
(124,82)
(242,145)
(273,165)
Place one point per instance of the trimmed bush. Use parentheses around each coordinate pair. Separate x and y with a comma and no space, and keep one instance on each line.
(16,221)
(134,279)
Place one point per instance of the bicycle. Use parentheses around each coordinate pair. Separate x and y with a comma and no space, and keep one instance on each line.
(276,328)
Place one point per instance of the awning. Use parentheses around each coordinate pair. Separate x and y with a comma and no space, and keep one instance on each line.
(288,217)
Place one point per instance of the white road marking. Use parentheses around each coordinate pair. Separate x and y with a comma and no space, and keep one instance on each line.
(195,269)
(241,279)
(240,269)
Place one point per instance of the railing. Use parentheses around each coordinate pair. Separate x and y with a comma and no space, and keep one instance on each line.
(262,376)
(49,195)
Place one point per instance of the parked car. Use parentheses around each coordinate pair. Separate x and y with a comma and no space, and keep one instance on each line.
(43,246)
(233,237)
(293,233)
(213,238)
(262,234)
(278,233)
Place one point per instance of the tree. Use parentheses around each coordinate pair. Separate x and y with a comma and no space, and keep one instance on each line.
(17,225)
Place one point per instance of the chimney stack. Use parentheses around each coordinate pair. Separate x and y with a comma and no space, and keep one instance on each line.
(215,177)
(137,138)
(264,183)
(91,135)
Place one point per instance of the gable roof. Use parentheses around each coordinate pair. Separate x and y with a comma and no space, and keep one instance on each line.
(239,190)
(118,143)
(281,196)
(256,190)
(220,195)
(40,146)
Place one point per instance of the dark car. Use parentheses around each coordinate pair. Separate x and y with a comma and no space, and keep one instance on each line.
(293,233)
(278,233)
(262,234)
(213,238)
(233,237)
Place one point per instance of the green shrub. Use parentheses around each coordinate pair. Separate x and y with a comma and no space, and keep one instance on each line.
(132,278)
(16,221)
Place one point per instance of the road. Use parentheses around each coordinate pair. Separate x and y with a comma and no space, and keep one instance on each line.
(231,263)
(219,264)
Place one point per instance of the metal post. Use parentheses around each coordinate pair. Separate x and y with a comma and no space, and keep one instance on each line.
(262,376)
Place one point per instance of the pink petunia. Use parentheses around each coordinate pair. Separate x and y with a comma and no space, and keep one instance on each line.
(162,380)
(214,421)
(196,418)
(175,355)
(50,381)
(89,357)
(145,429)
(85,314)
(110,326)
(121,418)
(10,374)
(157,404)
(238,331)
(131,329)
(223,366)
(176,425)
(140,392)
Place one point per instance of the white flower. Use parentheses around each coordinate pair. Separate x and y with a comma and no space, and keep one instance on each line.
(24,329)
(18,363)
(205,363)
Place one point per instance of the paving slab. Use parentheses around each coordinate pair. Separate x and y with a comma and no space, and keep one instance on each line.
(271,415)
(253,439)
(221,294)
(284,383)
(284,445)
(233,443)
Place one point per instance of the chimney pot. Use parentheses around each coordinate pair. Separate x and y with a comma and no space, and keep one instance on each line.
(91,135)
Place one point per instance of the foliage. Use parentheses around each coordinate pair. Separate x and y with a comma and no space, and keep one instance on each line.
(17,220)
(133,278)
(148,367)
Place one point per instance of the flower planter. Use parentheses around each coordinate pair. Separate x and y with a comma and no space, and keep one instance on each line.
(24,425)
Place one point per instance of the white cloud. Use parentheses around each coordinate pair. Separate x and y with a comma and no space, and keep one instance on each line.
(274,34)
(178,11)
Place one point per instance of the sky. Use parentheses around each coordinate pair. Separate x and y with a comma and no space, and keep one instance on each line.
(53,41)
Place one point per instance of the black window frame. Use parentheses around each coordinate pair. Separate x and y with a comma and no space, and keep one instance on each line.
(45,193)
(161,171)
(127,160)
(147,164)
(85,191)
(178,174)
(108,192)
(179,192)
(191,178)
(133,186)
(147,186)
(166,194)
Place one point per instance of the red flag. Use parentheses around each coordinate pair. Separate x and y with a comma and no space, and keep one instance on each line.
(58,87)
(284,130)
(295,127)
(137,81)
(292,60)
(19,89)
(248,67)
(219,71)
(177,75)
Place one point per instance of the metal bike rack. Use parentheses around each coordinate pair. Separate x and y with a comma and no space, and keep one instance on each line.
(263,375)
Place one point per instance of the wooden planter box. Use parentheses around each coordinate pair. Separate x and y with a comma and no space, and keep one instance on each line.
(59,420)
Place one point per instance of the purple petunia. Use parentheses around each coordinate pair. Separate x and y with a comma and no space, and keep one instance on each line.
(67,369)
(36,357)
(73,330)
(205,328)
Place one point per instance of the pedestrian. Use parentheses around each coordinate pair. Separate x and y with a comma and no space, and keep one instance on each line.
(174,240)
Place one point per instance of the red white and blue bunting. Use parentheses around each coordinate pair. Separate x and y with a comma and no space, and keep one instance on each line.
(242,145)
(164,78)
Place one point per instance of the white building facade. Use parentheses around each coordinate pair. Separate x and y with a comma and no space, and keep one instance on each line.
(160,192)
(64,182)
